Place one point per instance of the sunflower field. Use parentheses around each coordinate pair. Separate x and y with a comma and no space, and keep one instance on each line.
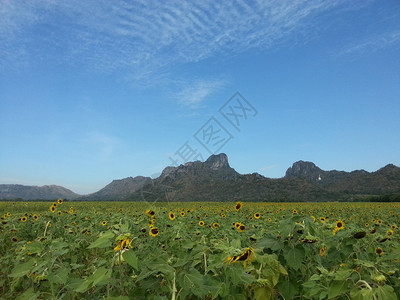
(131,250)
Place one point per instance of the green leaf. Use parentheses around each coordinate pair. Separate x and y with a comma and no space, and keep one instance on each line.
(29,294)
(34,247)
(343,274)
(270,243)
(103,241)
(385,292)
(83,287)
(131,258)
(364,294)
(60,276)
(336,288)
(22,269)
(263,293)
(294,258)
(193,281)
(289,289)
(100,275)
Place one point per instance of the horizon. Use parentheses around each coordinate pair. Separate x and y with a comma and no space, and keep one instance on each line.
(159,174)
(91,92)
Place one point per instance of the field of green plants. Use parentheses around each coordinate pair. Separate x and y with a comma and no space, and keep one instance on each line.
(122,250)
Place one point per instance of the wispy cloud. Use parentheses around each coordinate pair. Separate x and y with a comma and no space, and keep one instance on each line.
(371,44)
(144,38)
(194,93)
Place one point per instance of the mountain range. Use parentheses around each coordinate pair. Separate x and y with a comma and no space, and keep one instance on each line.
(216,180)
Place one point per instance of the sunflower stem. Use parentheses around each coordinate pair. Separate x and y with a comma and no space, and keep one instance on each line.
(174,287)
(205,263)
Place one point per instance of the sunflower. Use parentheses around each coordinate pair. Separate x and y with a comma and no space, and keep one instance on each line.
(223,215)
(60,201)
(54,204)
(35,217)
(52,209)
(215,225)
(154,231)
(104,223)
(389,233)
(322,219)
(238,206)
(150,213)
(295,211)
(24,218)
(247,255)
(182,213)
(359,235)
(379,251)
(339,225)
(59,212)
(366,224)
(393,227)
(201,223)
(14,239)
(171,216)
(241,228)
(257,215)
(269,220)
(123,244)
(322,251)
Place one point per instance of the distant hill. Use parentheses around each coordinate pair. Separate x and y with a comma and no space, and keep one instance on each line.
(216,180)
(384,181)
(46,192)
(118,189)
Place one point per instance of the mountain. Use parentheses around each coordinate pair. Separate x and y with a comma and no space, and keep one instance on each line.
(46,192)
(216,180)
(383,181)
(118,189)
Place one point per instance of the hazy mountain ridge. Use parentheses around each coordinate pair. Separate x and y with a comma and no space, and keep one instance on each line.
(216,180)
(46,192)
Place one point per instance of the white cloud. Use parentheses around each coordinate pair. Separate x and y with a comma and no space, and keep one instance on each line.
(371,44)
(193,94)
(145,38)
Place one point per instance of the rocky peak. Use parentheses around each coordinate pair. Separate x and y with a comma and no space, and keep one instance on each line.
(303,169)
(217,161)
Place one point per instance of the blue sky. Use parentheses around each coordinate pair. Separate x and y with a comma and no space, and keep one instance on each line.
(92,91)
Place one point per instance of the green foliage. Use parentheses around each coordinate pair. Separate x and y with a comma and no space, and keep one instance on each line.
(104,250)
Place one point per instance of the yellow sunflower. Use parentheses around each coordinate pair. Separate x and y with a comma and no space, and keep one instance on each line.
(339,225)
(35,217)
(241,228)
(215,225)
(150,213)
(104,223)
(24,218)
(322,251)
(123,244)
(379,251)
(182,213)
(171,216)
(257,215)
(201,223)
(238,205)
(154,231)
(60,201)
